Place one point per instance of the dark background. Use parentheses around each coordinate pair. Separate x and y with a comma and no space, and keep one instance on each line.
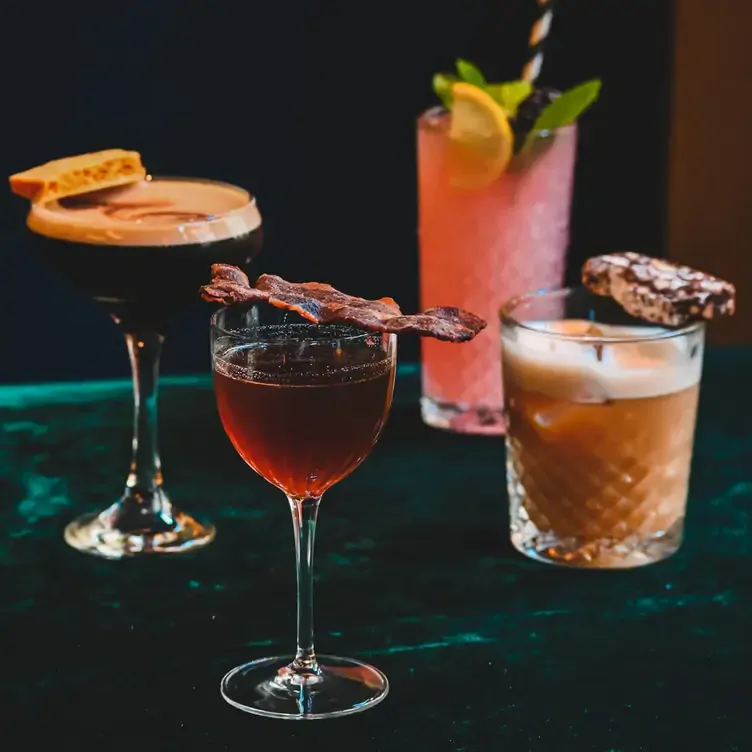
(310,104)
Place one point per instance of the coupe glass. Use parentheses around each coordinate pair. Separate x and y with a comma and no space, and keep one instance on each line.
(303,405)
(142,279)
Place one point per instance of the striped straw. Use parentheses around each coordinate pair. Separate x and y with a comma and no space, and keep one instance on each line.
(538,36)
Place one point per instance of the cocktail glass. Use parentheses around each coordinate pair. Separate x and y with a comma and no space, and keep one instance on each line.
(601,412)
(480,246)
(303,405)
(143,260)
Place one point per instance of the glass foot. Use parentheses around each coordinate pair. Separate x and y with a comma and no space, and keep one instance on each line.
(268,687)
(462,418)
(604,553)
(101,535)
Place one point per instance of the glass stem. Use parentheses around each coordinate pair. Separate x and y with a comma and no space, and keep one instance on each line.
(304,514)
(144,483)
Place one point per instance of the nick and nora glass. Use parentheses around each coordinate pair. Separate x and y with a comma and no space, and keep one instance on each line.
(303,405)
(601,412)
(479,246)
(142,251)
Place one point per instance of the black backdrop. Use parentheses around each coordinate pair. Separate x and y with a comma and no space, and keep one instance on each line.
(311,105)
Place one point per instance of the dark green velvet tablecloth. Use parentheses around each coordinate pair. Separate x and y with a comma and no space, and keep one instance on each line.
(484,649)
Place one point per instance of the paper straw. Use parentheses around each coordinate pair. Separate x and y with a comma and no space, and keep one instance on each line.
(538,36)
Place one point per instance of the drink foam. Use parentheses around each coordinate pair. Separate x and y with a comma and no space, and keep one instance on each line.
(152,212)
(595,369)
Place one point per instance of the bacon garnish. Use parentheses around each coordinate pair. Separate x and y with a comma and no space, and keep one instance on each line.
(323,304)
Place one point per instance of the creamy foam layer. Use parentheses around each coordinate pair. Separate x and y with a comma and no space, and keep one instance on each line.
(597,371)
(151,212)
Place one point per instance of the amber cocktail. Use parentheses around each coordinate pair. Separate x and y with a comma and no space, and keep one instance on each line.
(303,404)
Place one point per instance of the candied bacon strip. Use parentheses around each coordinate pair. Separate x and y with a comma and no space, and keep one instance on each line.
(323,304)
(230,285)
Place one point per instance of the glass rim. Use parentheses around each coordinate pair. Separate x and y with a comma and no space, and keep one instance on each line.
(662,333)
(250,198)
(360,334)
(440,109)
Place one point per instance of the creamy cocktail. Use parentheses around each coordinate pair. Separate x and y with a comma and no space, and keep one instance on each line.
(601,391)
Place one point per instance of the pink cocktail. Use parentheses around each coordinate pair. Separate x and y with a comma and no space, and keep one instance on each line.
(479,247)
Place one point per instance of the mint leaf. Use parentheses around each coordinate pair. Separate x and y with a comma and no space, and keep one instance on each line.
(470,74)
(442,86)
(566,108)
(510,94)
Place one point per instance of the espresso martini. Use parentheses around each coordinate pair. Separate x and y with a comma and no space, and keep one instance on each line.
(141,247)
(142,250)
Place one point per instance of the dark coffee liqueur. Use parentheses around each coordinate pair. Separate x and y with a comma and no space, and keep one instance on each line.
(143,250)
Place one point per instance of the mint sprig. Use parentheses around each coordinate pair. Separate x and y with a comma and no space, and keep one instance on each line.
(470,73)
(466,71)
(566,108)
(442,86)
(510,94)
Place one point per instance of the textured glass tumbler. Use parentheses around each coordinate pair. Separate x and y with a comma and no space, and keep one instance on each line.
(601,411)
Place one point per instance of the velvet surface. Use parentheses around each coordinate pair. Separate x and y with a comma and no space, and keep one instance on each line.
(484,649)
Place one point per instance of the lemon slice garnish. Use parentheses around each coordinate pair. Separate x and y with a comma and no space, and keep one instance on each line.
(480,135)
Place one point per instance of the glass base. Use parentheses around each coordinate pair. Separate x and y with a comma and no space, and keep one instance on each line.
(268,687)
(105,535)
(604,553)
(461,418)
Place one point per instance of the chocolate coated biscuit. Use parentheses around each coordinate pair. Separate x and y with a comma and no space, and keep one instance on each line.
(657,290)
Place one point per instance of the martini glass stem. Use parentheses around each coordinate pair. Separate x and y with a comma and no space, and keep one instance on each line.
(144,484)
(304,514)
